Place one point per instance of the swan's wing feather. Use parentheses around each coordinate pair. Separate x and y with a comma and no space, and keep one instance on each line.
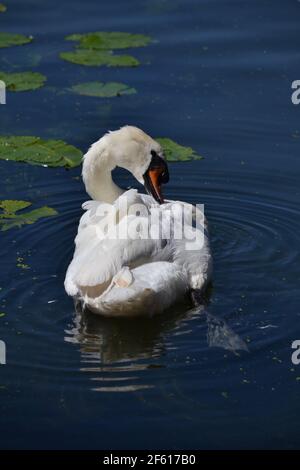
(99,256)
(191,251)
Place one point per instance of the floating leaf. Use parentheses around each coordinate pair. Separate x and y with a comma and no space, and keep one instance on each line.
(95,49)
(10,207)
(97,58)
(3,8)
(109,40)
(8,39)
(23,81)
(10,216)
(175,152)
(36,151)
(103,90)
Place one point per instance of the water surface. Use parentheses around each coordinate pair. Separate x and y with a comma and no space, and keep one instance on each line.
(218,78)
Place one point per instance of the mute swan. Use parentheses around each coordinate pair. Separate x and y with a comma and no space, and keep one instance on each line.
(117,275)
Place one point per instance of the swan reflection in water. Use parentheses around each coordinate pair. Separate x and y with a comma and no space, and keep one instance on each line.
(116,351)
(112,340)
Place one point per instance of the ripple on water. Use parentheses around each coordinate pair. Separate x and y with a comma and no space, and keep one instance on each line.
(252,234)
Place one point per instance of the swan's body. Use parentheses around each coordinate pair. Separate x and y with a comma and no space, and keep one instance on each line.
(129,276)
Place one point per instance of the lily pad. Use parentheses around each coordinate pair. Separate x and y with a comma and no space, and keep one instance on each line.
(3,8)
(23,81)
(91,57)
(175,152)
(102,90)
(109,40)
(33,150)
(10,216)
(9,39)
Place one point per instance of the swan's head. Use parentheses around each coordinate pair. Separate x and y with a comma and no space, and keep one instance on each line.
(132,149)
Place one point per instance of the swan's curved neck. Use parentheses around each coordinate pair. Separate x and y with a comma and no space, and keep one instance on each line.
(100,187)
(96,173)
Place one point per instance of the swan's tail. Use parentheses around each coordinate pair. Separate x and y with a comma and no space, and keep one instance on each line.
(146,290)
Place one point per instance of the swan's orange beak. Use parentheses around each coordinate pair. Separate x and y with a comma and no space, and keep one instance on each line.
(156,175)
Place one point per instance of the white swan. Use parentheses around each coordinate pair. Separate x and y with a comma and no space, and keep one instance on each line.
(117,275)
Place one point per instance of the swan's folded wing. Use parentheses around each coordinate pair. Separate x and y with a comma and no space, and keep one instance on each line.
(100,254)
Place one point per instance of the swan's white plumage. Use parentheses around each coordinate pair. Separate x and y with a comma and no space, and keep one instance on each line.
(114,276)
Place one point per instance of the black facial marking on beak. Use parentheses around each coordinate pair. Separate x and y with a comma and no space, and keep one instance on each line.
(156,175)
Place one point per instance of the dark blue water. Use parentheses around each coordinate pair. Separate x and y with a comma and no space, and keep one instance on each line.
(218,78)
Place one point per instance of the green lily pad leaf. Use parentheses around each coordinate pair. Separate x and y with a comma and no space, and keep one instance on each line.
(33,150)
(3,8)
(24,81)
(11,217)
(109,40)
(8,39)
(175,152)
(103,90)
(10,207)
(91,57)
